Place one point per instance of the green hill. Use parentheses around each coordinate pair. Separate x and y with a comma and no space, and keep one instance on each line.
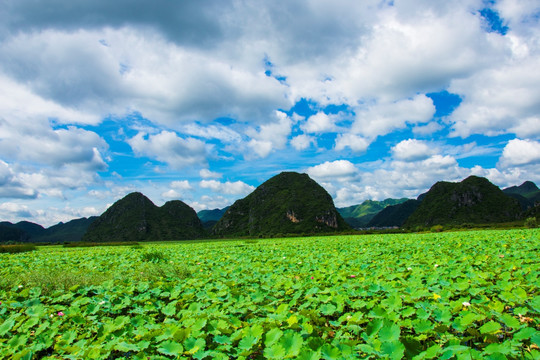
(359,216)
(288,203)
(210,217)
(527,194)
(475,200)
(136,218)
(394,215)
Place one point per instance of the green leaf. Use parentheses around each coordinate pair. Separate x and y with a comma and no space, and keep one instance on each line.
(510,321)
(275,351)
(307,354)
(170,309)
(490,327)
(125,347)
(222,339)
(330,352)
(6,326)
(193,345)
(524,334)
(272,336)
(292,343)
(170,348)
(247,342)
(394,349)
(390,332)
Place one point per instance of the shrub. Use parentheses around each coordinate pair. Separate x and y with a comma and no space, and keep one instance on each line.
(436,228)
(154,256)
(14,249)
(531,223)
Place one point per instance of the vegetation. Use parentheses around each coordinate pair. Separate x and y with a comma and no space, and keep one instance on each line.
(288,203)
(15,249)
(463,295)
(474,200)
(531,223)
(359,216)
(136,218)
(394,215)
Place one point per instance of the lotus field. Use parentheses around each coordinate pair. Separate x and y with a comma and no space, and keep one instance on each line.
(456,295)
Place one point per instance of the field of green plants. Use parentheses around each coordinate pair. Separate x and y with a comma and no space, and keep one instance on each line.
(458,295)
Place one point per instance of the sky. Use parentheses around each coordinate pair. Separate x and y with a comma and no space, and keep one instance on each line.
(202,101)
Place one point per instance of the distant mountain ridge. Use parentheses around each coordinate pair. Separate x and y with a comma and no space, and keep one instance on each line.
(25,231)
(136,218)
(288,203)
(359,216)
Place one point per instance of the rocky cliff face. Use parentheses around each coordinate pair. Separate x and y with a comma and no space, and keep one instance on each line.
(288,203)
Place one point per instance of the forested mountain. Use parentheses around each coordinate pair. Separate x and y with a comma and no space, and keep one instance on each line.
(288,203)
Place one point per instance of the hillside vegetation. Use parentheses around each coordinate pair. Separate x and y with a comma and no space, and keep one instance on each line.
(136,218)
(288,203)
(475,200)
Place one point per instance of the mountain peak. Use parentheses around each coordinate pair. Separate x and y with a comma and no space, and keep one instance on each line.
(288,203)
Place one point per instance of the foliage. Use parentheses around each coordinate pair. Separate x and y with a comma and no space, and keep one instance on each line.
(531,222)
(15,249)
(467,295)
(474,200)
(91,244)
(289,203)
(437,228)
(394,215)
(136,218)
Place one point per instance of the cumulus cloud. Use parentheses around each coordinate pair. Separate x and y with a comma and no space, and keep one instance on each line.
(412,150)
(383,118)
(207,174)
(230,188)
(354,142)
(302,142)
(11,186)
(320,123)
(270,136)
(168,147)
(520,152)
(333,169)
(501,100)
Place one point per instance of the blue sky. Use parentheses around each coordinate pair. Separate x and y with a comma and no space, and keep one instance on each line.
(203,101)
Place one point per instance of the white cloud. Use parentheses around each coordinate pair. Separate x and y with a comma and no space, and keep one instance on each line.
(269,136)
(320,123)
(501,100)
(412,150)
(230,188)
(207,174)
(168,147)
(354,142)
(383,118)
(171,194)
(302,142)
(181,185)
(520,152)
(333,169)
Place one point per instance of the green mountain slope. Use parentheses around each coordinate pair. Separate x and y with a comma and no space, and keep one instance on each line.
(359,216)
(136,218)
(475,200)
(394,215)
(288,203)
(527,194)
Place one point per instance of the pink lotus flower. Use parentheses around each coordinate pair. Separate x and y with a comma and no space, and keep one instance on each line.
(353,276)
(60,313)
(312,278)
